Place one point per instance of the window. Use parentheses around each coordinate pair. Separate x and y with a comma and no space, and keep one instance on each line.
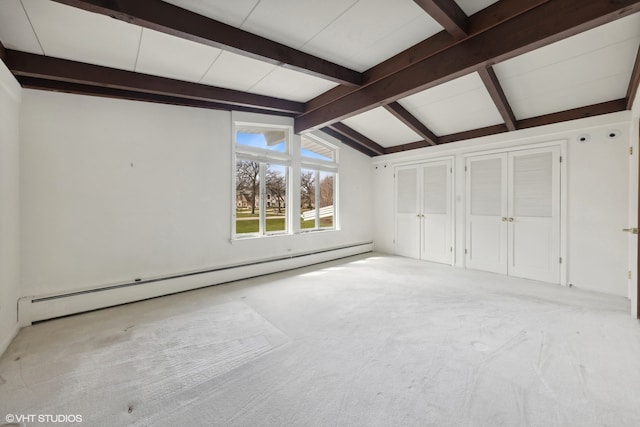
(261,180)
(318,177)
(283,184)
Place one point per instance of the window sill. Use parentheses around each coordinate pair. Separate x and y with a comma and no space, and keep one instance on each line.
(269,236)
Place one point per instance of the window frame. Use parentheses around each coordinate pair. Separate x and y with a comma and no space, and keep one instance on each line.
(293,160)
(264,157)
(317,166)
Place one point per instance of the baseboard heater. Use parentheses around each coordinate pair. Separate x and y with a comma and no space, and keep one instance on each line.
(36,308)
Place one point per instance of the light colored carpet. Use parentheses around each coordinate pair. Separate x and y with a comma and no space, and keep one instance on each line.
(367,341)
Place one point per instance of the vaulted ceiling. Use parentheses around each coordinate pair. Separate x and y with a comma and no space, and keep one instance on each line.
(381,75)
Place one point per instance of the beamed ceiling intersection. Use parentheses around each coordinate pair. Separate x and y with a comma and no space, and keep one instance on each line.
(467,44)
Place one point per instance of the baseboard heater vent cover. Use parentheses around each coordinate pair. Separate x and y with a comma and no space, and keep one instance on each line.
(44,307)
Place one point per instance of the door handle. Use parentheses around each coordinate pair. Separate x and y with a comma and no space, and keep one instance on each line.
(510,220)
(631,230)
(504,219)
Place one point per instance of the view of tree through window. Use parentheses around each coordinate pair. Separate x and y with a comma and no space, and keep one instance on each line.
(261,184)
(276,197)
(326,199)
(317,199)
(264,181)
(247,190)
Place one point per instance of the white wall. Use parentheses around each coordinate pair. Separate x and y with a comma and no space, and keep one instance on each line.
(116,190)
(597,202)
(10,93)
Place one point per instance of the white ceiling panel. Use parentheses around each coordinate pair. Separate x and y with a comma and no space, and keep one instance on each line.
(474,6)
(382,127)
(236,72)
(304,19)
(372,31)
(585,69)
(70,33)
(232,12)
(599,38)
(456,106)
(291,85)
(168,56)
(567,98)
(15,29)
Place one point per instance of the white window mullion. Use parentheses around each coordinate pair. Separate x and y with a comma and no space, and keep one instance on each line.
(317,201)
(263,199)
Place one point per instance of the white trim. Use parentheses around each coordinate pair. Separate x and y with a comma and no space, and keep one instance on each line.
(564,215)
(308,163)
(259,157)
(262,155)
(545,144)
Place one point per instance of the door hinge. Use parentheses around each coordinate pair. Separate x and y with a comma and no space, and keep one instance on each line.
(451,170)
(560,260)
(560,159)
(631,151)
(451,249)
(465,168)
(465,251)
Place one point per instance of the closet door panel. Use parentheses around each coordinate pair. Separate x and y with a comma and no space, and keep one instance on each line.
(407,241)
(534,214)
(486,228)
(436,212)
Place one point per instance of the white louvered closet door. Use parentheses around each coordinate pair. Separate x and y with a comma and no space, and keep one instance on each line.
(534,214)
(486,212)
(407,237)
(436,213)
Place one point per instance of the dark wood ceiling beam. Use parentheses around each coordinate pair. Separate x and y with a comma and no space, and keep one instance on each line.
(349,142)
(486,19)
(575,114)
(47,68)
(406,147)
(473,133)
(356,136)
(169,19)
(541,26)
(633,84)
(106,92)
(3,52)
(480,22)
(412,122)
(494,88)
(448,14)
